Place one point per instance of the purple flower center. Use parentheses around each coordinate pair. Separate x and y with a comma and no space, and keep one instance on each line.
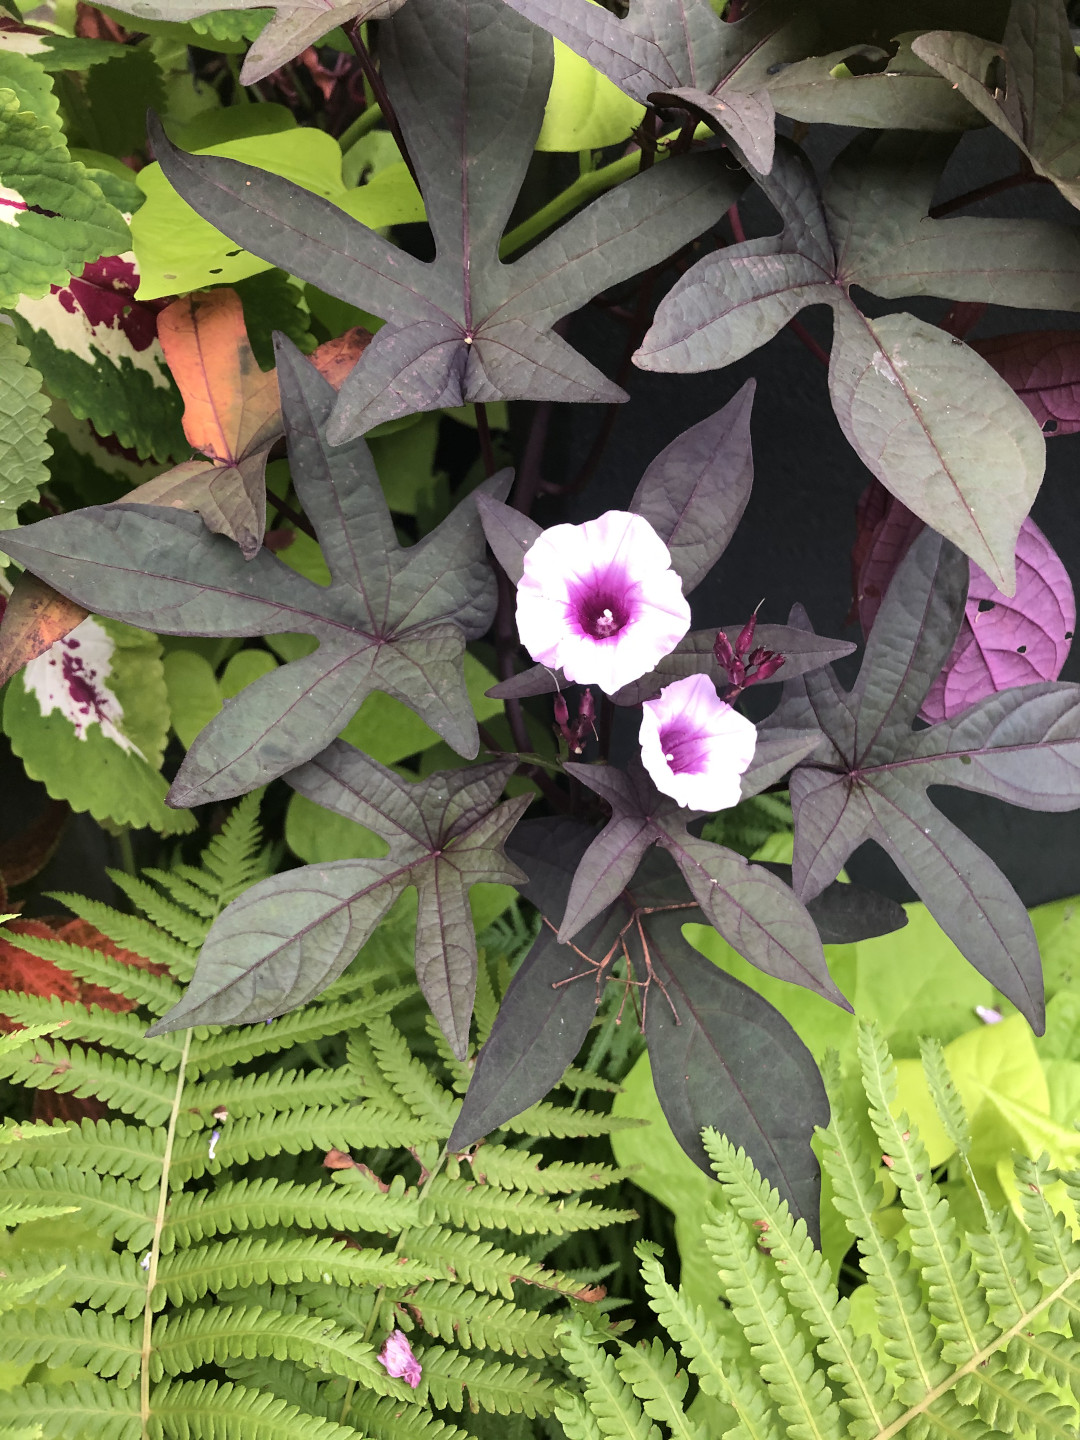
(686,750)
(601,606)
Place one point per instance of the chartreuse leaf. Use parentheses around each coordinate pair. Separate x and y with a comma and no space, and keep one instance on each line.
(382,624)
(585,111)
(70,221)
(926,415)
(672,53)
(23,427)
(285,940)
(89,718)
(464,327)
(1021,745)
(1037,101)
(178,250)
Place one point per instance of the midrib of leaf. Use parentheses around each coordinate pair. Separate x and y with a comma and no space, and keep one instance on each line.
(979,1358)
(155,1244)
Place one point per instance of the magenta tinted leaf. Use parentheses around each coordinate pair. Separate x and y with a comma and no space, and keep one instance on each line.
(723,1057)
(392,619)
(445,833)
(469,80)
(1043,367)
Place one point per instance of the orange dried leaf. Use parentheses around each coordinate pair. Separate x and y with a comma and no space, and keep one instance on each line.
(35,618)
(335,358)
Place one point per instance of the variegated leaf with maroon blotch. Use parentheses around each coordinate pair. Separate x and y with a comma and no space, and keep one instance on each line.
(469,80)
(285,939)
(1004,641)
(1043,367)
(34,618)
(1036,100)
(927,415)
(869,781)
(756,913)
(393,619)
(721,1055)
(684,55)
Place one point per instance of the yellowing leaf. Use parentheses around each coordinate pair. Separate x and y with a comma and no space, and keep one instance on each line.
(585,111)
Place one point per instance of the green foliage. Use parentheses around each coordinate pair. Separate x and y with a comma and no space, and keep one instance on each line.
(217,1296)
(967,1335)
(23,427)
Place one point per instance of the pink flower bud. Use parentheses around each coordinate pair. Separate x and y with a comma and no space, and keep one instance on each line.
(397,1358)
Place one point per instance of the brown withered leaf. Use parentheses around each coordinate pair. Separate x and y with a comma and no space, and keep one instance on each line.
(35,617)
(27,853)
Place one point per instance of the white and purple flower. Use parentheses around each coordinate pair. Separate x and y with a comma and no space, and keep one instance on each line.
(695,746)
(600,601)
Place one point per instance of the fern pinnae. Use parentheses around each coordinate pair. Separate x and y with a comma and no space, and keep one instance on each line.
(448,1311)
(165,914)
(946,1097)
(610,1397)
(84,1407)
(113,1207)
(456,1382)
(759,1304)
(108,1147)
(139,1089)
(411,1078)
(956,1300)
(223,1048)
(210,1410)
(130,932)
(107,1344)
(494,1164)
(103,1280)
(909,1333)
(805,1275)
(93,1024)
(653,1373)
(246,1096)
(484,1207)
(156,992)
(189,888)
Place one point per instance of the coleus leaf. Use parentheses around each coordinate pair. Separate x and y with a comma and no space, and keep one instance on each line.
(1004,641)
(468,79)
(231,414)
(924,412)
(871,781)
(693,494)
(1037,102)
(393,620)
(756,913)
(668,52)
(1043,367)
(24,425)
(720,1054)
(285,939)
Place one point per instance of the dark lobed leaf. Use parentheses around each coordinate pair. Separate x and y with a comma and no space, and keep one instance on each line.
(287,938)
(925,413)
(392,619)
(722,1057)
(469,80)
(675,54)
(1038,106)
(757,914)
(870,779)
(846,913)
(550,1003)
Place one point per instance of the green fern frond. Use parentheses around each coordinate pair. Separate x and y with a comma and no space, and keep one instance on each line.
(208,1410)
(410,1078)
(576,1417)
(94,1025)
(165,914)
(104,1280)
(608,1396)
(484,1322)
(107,1344)
(522,1170)
(459,1382)
(1008,1402)
(83,1407)
(372,1082)
(113,1207)
(142,1090)
(222,1333)
(944,1094)
(256,1095)
(252,1260)
(131,932)
(18,1038)
(108,1147)
(653,1373)
(386,1420)
(483,1207)
(22,1214)
(224,1048)
(16,1292)
(157,992)
(482,1264)
(237,857)
(546,1120)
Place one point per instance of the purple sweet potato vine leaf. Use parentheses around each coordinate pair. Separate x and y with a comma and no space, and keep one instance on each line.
(392,619)
(1043,367)
(870,780)
(468,79)
(288,937)
(927,415)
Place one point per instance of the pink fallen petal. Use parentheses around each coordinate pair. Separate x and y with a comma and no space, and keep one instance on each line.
(600,601)
(695,746)
(398,1359)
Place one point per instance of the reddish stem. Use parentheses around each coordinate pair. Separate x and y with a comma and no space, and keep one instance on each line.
(378,89)
(984,192)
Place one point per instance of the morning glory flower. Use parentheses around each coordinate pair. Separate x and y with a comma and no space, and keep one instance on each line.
(600,601)
(695,746)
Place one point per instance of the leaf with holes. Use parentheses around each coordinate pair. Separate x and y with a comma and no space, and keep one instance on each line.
(670,53)
(925,413)
(1043,367)
(391,619)
(284,940)
(1036,102)
(468,79)
(870,782)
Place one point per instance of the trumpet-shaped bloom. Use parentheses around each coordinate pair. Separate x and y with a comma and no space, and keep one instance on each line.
(695,746)
(600,600)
